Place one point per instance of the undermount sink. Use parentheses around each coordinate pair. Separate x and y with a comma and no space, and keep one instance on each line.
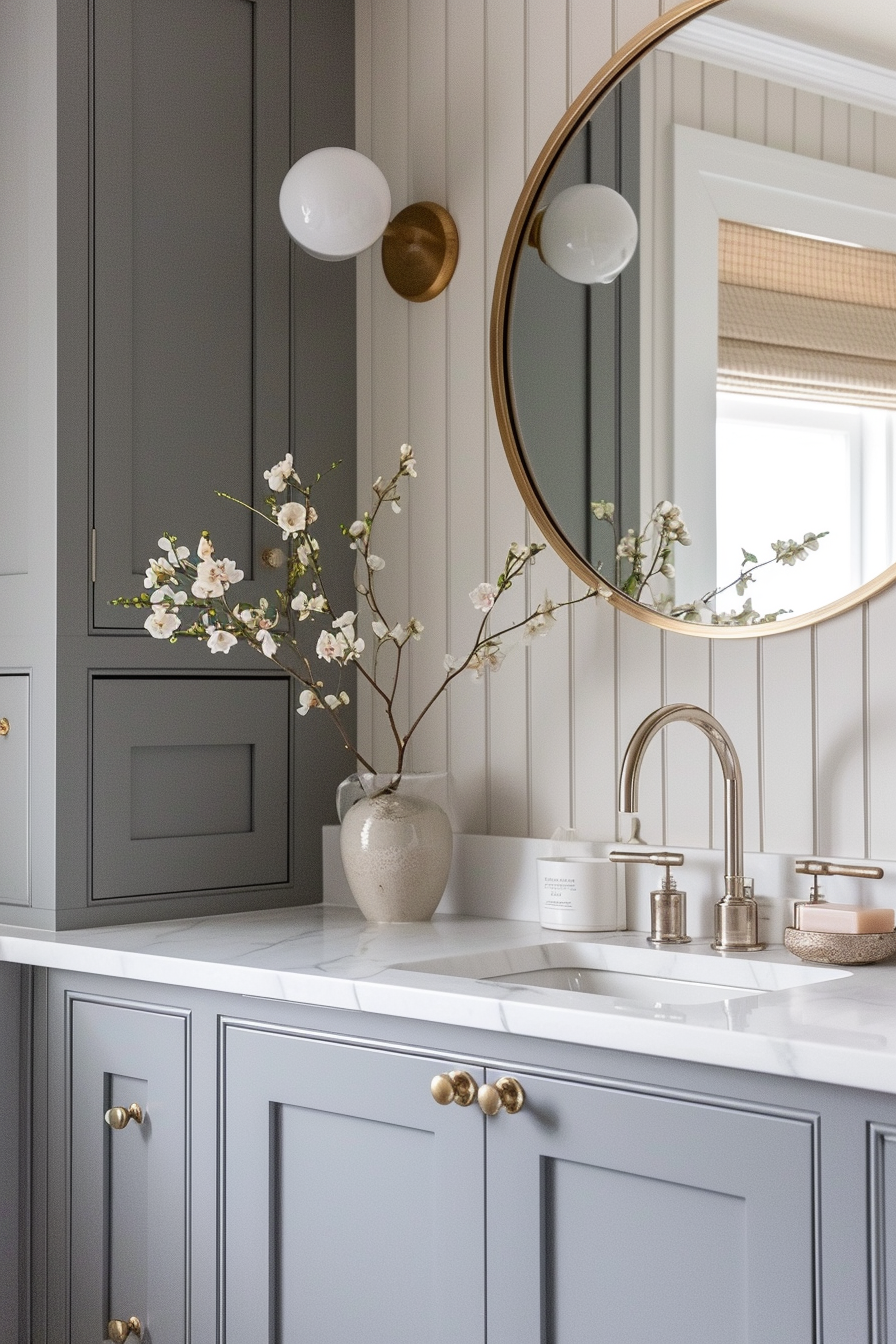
(639,975)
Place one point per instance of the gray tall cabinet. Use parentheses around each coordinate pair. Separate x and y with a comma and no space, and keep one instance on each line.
(160,339)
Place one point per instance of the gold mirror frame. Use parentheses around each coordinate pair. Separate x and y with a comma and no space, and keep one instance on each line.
(520,225)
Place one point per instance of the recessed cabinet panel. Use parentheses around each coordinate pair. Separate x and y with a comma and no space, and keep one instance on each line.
(129,1208)
(14,790)
(882,1202)
(353,1203)
(190,140)
(634,1218)
(190,784)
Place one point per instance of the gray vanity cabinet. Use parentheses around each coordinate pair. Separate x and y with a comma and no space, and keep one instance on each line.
(356,1199)
(352,1202)
(654,1218)
(128,1205)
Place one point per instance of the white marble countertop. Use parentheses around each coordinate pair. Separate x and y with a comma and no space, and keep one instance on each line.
(839,1030)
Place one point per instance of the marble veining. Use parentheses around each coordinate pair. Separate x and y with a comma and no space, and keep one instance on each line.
(840,1030)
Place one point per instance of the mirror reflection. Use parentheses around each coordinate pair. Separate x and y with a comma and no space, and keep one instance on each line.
(712,425)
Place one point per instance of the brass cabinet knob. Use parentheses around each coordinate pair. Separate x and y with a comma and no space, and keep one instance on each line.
(118,1117)
(118,1331)
(505,1095)
(458,1087)
(4,727)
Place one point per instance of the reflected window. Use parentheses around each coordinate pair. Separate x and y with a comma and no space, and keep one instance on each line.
(806,411)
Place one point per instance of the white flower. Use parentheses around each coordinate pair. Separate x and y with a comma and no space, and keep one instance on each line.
(668,571)
(220,641)
(167,595)
(267,642)
(159,571)
(205,550)
(541,621)
(452,664)
(380,629)
(345,621)
(408,462)
(308,700)
(488,655)
(292,518)
(630,546)
(305,605)
(414,628)
(519,552)
(213,576)
(358,528)
(483,596)
(161,623)
(329,646)
(375,562)
(280,474)
(603,508)
(174,556)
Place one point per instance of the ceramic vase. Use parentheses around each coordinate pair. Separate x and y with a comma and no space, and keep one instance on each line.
(396,852)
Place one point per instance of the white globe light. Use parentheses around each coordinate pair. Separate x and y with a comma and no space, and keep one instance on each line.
(588,234)
(335,202)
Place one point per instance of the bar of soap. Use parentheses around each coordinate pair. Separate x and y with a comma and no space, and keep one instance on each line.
(826,917)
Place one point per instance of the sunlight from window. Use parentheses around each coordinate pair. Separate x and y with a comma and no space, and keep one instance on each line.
(784,468)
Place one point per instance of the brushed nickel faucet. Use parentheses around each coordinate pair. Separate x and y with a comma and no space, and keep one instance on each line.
(736,914)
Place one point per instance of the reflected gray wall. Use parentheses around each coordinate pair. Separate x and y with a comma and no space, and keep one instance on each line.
(575,350)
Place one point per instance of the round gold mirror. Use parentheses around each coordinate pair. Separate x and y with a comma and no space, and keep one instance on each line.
(694,327)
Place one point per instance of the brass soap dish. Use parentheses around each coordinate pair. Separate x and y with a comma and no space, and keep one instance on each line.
(840,949)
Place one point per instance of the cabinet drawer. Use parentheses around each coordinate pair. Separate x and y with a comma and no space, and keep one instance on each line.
(14,841)
(650,1219)
(353,1205)
(129,1234)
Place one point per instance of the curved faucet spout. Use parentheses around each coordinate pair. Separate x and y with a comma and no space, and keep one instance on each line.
(724,749)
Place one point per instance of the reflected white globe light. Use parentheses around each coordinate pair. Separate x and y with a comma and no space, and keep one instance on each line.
(335,203)
(588,234)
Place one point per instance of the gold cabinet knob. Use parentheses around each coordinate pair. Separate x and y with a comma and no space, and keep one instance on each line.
(505,1095)
(118,1118)
(458,1087)
(4,727)
(118,1331)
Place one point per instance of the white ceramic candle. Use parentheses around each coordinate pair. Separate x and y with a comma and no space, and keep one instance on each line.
(577,893)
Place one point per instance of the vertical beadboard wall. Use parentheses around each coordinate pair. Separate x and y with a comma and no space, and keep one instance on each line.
(455,98)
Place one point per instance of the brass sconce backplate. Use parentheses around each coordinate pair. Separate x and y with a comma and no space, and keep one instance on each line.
(420,250)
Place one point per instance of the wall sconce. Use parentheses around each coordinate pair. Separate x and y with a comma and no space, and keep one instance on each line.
(335,203)
(588,234)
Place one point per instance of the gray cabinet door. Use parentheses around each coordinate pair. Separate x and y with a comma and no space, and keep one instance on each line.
(189,143)
(129,1208)
(353,1203)
(620,1217)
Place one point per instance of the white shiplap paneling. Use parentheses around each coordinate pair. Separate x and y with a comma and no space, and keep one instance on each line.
(453,100)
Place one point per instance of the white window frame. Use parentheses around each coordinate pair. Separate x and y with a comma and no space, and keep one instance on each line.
(716,177)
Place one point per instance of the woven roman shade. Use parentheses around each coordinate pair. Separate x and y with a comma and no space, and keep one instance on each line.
(801,317)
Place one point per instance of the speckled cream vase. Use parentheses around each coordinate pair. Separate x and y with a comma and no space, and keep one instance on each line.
(396,851)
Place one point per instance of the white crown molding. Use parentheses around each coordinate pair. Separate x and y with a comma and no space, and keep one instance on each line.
(785,61)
